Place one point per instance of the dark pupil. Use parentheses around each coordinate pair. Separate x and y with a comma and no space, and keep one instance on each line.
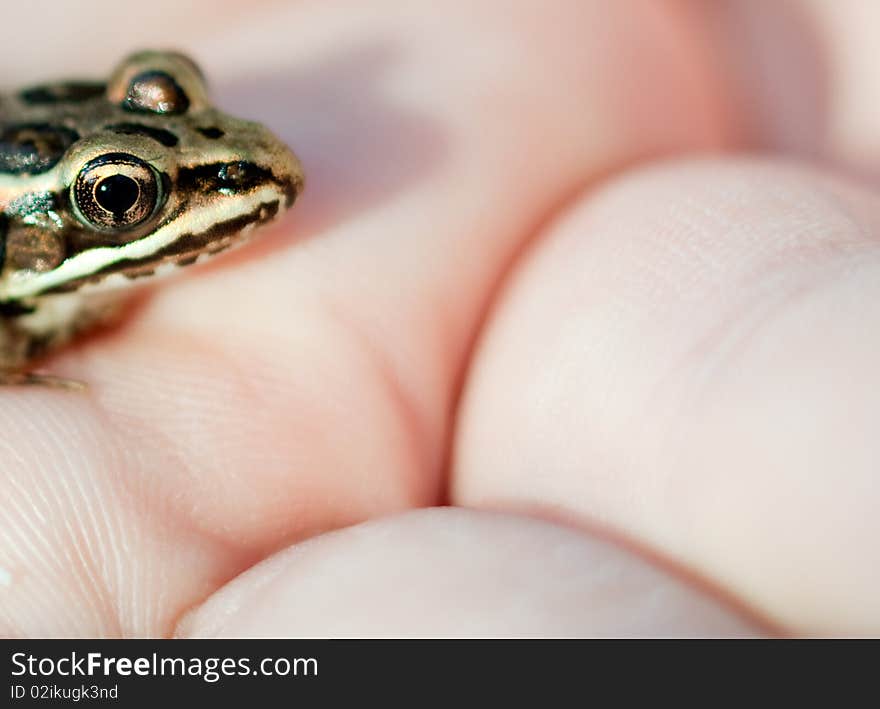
(117,194)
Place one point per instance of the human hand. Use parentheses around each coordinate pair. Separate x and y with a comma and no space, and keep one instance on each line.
(647,387)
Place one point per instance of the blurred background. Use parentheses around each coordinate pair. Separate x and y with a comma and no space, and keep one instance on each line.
(795,75)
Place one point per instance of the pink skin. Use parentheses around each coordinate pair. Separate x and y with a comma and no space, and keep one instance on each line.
(674,368)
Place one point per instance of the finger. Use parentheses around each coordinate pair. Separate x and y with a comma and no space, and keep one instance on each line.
(306,384)
(457,573)
(689,357)
(800,74)
(110,28)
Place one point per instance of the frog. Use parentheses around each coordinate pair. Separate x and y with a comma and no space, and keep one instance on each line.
(105,185)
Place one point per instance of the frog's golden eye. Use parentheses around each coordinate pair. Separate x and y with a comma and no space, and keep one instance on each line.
(116,191)
(155,92)
(167,83)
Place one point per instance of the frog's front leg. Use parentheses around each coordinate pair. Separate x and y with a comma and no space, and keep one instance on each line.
(27,334)
(18,349)
(42,380)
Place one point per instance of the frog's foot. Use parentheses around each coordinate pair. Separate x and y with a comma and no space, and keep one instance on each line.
(45,380)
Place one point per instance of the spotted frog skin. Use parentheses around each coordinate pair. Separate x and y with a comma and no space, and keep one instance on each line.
(103,185)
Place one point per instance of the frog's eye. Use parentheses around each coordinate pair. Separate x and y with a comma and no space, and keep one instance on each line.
(155,92)
(116,191)
(166,83)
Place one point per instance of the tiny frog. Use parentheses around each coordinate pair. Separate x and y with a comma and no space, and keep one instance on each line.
(103,185)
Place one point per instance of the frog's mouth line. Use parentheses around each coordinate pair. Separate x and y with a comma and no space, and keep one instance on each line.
(191,247)
(177,241)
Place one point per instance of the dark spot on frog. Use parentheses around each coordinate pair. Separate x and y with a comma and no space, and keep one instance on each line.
(165,137)
(132,275)
(67,92)
(13,309)
(32,248)
(212,132)
(269,212)
(234,176)
(32,148)
(155,92)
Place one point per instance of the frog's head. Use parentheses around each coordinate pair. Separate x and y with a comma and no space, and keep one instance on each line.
(139,174)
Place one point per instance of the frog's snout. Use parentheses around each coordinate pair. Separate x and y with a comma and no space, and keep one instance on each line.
(288,174)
